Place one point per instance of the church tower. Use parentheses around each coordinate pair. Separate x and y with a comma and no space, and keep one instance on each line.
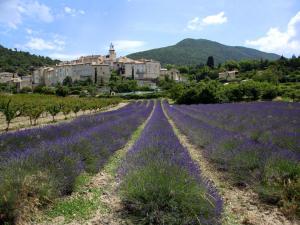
(112,53)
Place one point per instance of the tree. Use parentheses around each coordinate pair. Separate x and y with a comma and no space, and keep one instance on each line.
(53,109)
(210,62)
(68,81)
(62,91)
(10,111)
(231,65)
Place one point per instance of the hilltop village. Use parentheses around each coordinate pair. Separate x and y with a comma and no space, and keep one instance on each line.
(98,68)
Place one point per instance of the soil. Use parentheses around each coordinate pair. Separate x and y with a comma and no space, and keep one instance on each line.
(241,206)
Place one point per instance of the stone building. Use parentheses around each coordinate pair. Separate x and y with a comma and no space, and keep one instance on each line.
(172,74)
(98,68)
(228,75)
(15,80)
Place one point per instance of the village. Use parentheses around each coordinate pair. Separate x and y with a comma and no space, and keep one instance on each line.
(97,68)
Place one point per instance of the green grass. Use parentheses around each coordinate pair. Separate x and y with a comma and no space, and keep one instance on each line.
(81,181)
(79,207)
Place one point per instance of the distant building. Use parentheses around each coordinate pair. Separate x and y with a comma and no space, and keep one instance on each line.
(6,77)
(98,68)
(172,74)
(15,80)
(228,75)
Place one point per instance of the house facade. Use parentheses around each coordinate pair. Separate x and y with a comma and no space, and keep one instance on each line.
(98,68)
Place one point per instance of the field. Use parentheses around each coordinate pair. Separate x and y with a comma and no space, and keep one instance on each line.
(151,162)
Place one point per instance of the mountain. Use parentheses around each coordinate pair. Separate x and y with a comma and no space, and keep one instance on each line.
(21,62)
(196,51)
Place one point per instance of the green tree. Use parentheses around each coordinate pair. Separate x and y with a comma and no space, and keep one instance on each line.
(68,81)
(10,111)
(210,62)
(62,91)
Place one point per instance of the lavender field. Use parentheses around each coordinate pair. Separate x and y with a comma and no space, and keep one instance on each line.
(45,162)
(252,145)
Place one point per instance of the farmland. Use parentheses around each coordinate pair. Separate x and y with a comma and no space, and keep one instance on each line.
(30,110)
(151,162)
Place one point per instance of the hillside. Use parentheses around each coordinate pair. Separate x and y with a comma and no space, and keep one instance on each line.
(21,62)
(192,52)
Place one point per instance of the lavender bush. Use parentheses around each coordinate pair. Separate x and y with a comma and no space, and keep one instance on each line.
(257,143)
(59,153)
(160,183)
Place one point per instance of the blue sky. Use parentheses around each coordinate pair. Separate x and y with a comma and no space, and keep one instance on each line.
(66,29)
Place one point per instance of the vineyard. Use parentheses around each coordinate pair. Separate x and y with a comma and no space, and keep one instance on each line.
(28,110)
(151,162)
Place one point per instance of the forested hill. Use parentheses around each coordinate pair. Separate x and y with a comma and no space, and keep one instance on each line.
(194,52)
(20,62)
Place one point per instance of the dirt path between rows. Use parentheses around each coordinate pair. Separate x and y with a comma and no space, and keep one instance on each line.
(22,123)
(241,206)
(106,180)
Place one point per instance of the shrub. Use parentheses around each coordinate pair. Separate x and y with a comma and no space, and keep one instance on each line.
(26,90)
(281,185)
(62,91)
(269,91)
(251,90)
(164,194)
(48,90)
(38,89)
(23,187)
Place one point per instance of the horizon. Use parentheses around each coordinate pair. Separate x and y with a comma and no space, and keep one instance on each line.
(67,29)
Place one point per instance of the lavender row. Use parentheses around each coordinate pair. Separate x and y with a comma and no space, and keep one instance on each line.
(272,170)
(33,137)
(59,161)
(159,149)
(266,122)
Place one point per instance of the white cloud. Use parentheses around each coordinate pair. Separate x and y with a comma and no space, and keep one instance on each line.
(126,45)
(286,43)
(68,9)
(12,12)
(28,31)
(197,23)
(40,11)
(82,12)
(40,44)
(73,12)
(219,18)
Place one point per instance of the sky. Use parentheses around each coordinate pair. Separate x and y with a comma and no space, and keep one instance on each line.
(67,29)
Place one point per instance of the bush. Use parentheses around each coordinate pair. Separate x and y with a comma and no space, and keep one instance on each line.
(269,92)
(62,91)
(38,89)
(203,92)
(48,90)
(213,92)
(189,96)
(144,96)
(164,194)
(251,90)
(26,90)
(281,185)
